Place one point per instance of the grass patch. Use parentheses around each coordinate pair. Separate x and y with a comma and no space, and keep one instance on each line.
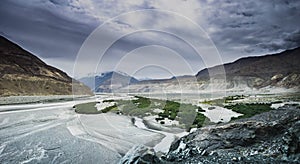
(110,108)
(184,113)
(232,98)
(171,109)
(190,118)
(215,102)
(138,107)
(249,110)
(87,108)
(142,102)
(222,101)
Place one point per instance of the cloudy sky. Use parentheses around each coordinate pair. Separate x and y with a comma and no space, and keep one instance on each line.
(148,38)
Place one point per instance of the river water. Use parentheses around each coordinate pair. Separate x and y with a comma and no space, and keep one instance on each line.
(54,133)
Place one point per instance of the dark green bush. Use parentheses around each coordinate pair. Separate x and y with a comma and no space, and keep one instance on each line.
(199,120)
(109,100)
(249,110)
(142,102)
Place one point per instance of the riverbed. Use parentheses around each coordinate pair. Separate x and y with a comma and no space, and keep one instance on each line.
(54,133)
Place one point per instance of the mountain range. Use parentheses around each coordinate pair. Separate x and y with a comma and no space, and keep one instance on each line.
(280,70)
(22,73)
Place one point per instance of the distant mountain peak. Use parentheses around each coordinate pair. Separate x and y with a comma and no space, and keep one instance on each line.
(107,81)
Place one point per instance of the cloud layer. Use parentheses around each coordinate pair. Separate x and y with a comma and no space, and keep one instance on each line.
(55,30)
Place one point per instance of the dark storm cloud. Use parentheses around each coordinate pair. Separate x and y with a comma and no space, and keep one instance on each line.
(43,32)
(254,26)
(135,40)
(56,29)
(293,40)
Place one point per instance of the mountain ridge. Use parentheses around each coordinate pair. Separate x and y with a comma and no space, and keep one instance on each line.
(23,73)
(262,68)
(280,70)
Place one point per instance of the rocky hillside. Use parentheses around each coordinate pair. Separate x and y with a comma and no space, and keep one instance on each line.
(267,72)
(271,137)
(25,74)
(279,70)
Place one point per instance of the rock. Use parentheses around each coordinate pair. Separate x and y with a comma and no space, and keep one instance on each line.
(234,159)
(272,137)
(140,154)
(277,77)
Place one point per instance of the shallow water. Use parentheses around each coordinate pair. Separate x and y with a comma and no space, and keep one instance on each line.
(54,133)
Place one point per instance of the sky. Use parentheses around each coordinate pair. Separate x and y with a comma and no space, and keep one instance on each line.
(148,38)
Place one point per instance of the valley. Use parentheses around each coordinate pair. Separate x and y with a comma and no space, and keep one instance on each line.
(54,132)
(112,117)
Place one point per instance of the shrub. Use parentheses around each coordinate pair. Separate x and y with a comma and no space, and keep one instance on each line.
(172,116)
(249,110)
(163,115)
(199,120)
(142,102)
(159,118)
(200,109)
(109,100)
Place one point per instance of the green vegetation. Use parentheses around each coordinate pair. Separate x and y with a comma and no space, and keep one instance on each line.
(139,107)
(108,100)
(216,102)
(232,98)
(209,102)
(188,115)
(222,101)
(190,118)
(110,108)
(184,113)
(249,110)
(171,109)
(199,120)
(56,100)
(142,102)
(200,109)
(87,108)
